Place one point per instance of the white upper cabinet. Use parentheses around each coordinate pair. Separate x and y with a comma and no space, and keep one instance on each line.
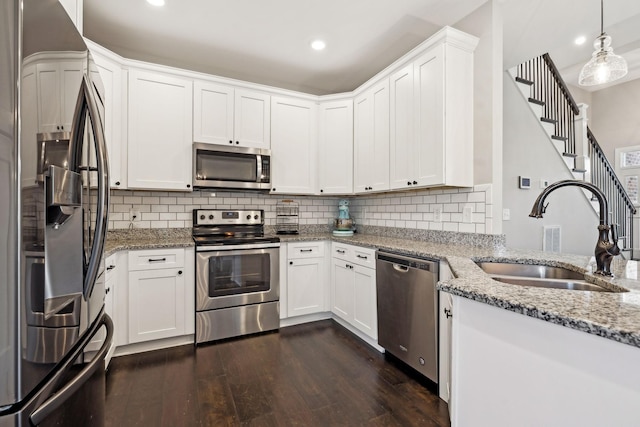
(212,113)
(432,116)
(371,139)
(293,146)
(111,76)
(336,147)
(224,115)
(29,127)
(252,119)
(58,83)
(402,136)
(160,131)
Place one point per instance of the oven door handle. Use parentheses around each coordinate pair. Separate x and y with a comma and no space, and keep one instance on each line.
(237,247)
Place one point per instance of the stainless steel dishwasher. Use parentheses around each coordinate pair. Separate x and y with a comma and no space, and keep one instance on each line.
(408,310)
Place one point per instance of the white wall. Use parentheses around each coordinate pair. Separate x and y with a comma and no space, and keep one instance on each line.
(615,117)
(486,24)
(529,152)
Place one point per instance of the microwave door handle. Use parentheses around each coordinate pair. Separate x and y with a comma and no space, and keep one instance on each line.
(87,106)
(259,168)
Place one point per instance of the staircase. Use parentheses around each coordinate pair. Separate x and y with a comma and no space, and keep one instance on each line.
(565,122)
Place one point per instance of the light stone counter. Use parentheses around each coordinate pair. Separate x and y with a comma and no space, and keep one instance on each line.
(612,315)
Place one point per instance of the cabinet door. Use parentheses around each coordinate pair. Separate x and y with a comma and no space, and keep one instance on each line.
(70,79)
(29,127)
(371,139)
(49,104)
(160,130)
(212,113)
(365,310)
(156,304)
(342,295)
(111,77)
(305,282)
(429,115)
(252,119)
(293,146)
(401,153)
(336,147)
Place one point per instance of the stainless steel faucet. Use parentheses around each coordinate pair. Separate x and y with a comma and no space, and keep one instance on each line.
(605,250)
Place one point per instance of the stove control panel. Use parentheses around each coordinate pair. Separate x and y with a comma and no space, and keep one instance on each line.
(227,217)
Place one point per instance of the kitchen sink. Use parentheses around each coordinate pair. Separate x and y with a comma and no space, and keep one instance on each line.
(529,270)
(541,276)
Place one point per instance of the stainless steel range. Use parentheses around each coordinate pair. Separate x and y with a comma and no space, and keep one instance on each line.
(237,274)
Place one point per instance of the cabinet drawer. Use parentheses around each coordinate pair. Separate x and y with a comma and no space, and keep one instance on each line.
(109,266)
(305,250)
(364,257)
(156,259)
(342,251)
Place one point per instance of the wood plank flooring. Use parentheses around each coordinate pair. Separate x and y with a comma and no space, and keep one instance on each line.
(316,374)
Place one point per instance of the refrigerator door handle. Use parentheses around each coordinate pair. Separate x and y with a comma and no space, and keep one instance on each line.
(54,402)
(87,104)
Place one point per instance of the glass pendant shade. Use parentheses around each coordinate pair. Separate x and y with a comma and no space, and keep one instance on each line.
(604,65)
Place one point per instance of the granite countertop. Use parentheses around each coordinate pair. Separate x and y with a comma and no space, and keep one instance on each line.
(612,315)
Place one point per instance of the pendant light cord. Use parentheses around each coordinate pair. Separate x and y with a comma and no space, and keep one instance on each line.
(601,17)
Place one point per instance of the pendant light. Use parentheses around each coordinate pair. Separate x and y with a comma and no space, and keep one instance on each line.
(604,65)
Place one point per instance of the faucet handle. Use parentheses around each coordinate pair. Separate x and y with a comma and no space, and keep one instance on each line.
(614,233)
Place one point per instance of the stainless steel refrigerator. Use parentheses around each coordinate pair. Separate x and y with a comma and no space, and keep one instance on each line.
(54,198)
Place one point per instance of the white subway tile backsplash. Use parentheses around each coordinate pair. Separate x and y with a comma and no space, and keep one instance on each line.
(409,209)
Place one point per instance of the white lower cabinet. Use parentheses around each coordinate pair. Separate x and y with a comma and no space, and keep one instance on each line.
(160,294)
(306,278)
(353,286)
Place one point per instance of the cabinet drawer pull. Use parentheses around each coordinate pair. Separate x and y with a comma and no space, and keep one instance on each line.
(362,257)
(111,267)
(447,313)
(340,251)
(306,250)
(157,259)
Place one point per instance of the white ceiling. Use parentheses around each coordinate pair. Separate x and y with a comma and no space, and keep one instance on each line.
(267,41)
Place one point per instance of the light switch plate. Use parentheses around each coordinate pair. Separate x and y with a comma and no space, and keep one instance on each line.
(506,214)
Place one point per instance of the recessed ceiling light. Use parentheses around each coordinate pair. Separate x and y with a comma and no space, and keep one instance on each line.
(580,40)
(156,2)
(318,45)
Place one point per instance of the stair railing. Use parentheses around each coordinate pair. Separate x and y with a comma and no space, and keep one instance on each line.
(604,177)
(559,107)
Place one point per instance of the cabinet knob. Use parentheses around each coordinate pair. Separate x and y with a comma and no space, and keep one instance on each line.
(107,290)
(290,262)
(273,189)
(230,142)
(322,191)
(188,185)
(237,142)
(415,182)
(117,182)
(179,272)
(408,182)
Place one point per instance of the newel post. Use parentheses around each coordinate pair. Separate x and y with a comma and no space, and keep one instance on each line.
(582,142)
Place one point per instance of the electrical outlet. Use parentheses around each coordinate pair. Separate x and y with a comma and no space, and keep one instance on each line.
(134,215)
(437,214)
(506,214)
(466,213)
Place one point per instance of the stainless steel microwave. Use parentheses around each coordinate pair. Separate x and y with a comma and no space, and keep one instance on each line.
(219,166)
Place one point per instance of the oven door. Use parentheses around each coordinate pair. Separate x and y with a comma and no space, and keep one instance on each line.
(230,276)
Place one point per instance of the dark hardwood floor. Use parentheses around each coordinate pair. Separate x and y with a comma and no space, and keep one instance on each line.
(316,374)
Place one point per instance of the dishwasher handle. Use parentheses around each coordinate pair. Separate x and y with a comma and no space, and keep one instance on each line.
(400,268)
